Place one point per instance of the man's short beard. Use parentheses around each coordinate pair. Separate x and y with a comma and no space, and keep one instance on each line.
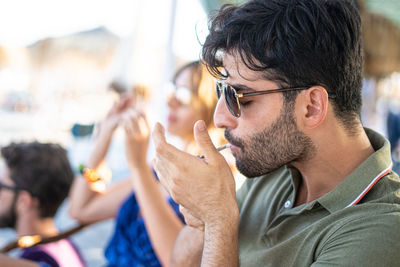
(279,144)
(9,219)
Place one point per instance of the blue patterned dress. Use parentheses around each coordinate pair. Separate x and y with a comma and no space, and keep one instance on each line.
(130,244)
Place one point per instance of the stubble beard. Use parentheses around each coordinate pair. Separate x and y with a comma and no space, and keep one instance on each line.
(280,144)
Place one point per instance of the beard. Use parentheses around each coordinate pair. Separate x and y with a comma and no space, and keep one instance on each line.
(280,144)
(9,218)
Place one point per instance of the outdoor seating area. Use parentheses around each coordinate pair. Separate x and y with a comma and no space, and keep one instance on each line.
(131,129)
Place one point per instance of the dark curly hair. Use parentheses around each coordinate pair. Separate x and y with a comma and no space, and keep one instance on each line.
(43,170)
(295,43)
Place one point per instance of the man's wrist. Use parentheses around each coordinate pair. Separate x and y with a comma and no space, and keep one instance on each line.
(221,242)
(229,218)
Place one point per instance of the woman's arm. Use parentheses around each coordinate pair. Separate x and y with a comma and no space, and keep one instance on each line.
(162,223)
(87,205)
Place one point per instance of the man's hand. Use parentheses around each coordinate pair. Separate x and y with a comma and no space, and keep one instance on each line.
(191,220)
(205,187)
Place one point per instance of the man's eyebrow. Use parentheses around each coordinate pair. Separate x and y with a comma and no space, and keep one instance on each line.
(241,87)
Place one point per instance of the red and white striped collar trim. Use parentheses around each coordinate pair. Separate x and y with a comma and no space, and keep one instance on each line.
(370,185)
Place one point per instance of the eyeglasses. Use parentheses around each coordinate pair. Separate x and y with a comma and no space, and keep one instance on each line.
(181,93)
(9,187)
(232,97)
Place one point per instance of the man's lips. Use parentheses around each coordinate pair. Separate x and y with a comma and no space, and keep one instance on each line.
(234,148)
(232,140)
(234,145)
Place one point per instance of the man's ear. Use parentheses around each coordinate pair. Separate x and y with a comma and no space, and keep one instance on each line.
(25,201)
(314,106)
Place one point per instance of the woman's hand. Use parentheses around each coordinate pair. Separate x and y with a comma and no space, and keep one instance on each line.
(137,135)
(114,115)
(107,127)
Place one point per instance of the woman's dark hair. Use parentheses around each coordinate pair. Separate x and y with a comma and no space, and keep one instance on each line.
(295,43)
(43,170)
(202,88)
(196,77)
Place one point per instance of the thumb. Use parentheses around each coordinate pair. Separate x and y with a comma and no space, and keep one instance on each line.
(203,140)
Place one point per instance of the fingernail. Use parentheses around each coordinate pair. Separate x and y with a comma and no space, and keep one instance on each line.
(201,126)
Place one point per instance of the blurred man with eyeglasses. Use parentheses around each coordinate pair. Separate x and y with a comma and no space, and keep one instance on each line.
(320,190)
(34,181)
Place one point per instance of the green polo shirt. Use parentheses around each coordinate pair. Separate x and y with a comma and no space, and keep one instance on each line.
(356,224)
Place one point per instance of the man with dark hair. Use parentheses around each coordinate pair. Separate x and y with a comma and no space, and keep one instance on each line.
(34,181)
(320,190)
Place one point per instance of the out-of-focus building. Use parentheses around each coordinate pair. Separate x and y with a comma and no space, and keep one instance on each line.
(54,83)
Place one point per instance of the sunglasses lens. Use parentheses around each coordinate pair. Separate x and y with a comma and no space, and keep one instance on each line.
(232,101)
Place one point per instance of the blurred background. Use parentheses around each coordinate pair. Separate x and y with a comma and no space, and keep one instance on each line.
(58,59)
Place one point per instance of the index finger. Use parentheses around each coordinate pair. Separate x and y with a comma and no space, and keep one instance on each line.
(167,151)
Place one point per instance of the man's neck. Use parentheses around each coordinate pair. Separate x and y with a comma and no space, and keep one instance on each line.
(43,227)
(338,155)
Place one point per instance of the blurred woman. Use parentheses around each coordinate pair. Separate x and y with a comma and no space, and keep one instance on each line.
(148,220)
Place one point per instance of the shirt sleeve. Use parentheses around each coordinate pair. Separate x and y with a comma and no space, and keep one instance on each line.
(369,241)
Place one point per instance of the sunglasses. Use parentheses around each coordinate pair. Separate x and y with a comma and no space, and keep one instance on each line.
(180,93)
(232,97)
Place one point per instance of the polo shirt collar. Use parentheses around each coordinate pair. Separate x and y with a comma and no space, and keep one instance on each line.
(363,178)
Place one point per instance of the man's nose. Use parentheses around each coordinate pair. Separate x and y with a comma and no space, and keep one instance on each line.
(222,117)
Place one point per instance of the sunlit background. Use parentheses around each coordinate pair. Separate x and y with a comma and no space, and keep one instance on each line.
(58,58)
